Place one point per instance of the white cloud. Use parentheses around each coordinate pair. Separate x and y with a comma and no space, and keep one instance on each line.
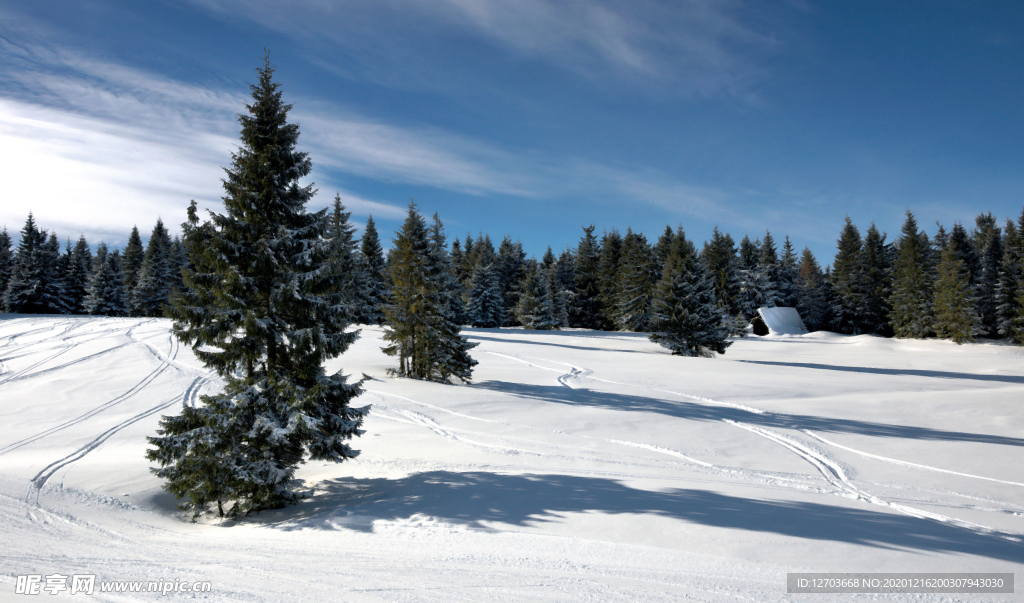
(93,147)
(696,47)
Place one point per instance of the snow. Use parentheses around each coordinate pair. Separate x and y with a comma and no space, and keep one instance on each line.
(782,321)
(579,465)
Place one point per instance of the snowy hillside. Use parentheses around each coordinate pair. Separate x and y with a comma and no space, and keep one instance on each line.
(578,466)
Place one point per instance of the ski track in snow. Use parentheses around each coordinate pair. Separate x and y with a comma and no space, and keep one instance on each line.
(831,470)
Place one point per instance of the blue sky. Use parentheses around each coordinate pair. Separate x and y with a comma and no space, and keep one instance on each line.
(526,117)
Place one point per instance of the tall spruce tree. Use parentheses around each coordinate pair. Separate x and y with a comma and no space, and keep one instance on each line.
(955,307)
(585,311)
(720,259)
(912,283)
(686,317)
(1011,283)
(152,289)
(988,245)
(261,309)
(350,279)
(105,292)
(848,282)
(812,299)
(6,263)
(448,350)
(636,280)
(76,276)
(528,309)
(418,328)
(611,251)
(511,267)
(375,291)
(877,283)
(788,270)
(485,308)
(35,285)
(131,260)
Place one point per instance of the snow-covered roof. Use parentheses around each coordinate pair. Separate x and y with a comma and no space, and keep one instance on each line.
(782,321)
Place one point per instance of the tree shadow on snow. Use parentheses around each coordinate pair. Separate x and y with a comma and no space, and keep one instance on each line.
(476,498)
(895,372)
(474,334)
(705,412)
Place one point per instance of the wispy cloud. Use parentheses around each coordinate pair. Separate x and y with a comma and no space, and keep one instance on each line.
(95,147)
(695,47)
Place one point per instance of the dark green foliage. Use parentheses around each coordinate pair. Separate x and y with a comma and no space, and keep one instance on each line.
(788,270)
(749,254)
(812,294)
(848,282)
(988,245)
(585,310)
(78,267)
(1010,289)
(345,261)
(263,310)
(35,285)
(105,294)
(6,263)
(912,284)
(132,259)
(611,250)
(485,308)
(720,260)
(686,317)
(511,268)
(877,283)
(636,281)
(156,275)
(956,313)
(374,293)
(420,329)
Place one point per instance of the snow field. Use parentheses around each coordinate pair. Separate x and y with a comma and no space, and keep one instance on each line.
(578,466)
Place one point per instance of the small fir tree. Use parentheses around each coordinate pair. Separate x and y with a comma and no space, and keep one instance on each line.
(6,262)
(375,291)
(585,311)
(156,275)
(134,255)
(812,293)
(849,283)
(76,277)
(485,307)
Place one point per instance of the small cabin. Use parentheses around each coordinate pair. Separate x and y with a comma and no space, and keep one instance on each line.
(777,321)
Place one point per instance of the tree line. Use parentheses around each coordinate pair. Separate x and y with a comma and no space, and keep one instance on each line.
(958,284)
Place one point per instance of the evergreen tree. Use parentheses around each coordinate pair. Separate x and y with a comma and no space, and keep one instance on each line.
(350,279)
(529,312)
(788,271)
(911,300)
(1011,284)
(812,293)
(720,259)
(375,291)
(585,311)
(849,283)
(564,275)
(988,245)
(553,308)
(611,251)
(749,254)
(686,317)
(134,255)
(6,263)
(486,307)
(76,277)
(35,282)
(877,283)
(447,349)
(636,283)
(418,310)
(661,251)
(511,268)
(261,309)
(105,294)
(956,314)
(156,275)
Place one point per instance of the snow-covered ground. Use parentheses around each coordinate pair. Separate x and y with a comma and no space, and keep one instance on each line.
(579,466)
